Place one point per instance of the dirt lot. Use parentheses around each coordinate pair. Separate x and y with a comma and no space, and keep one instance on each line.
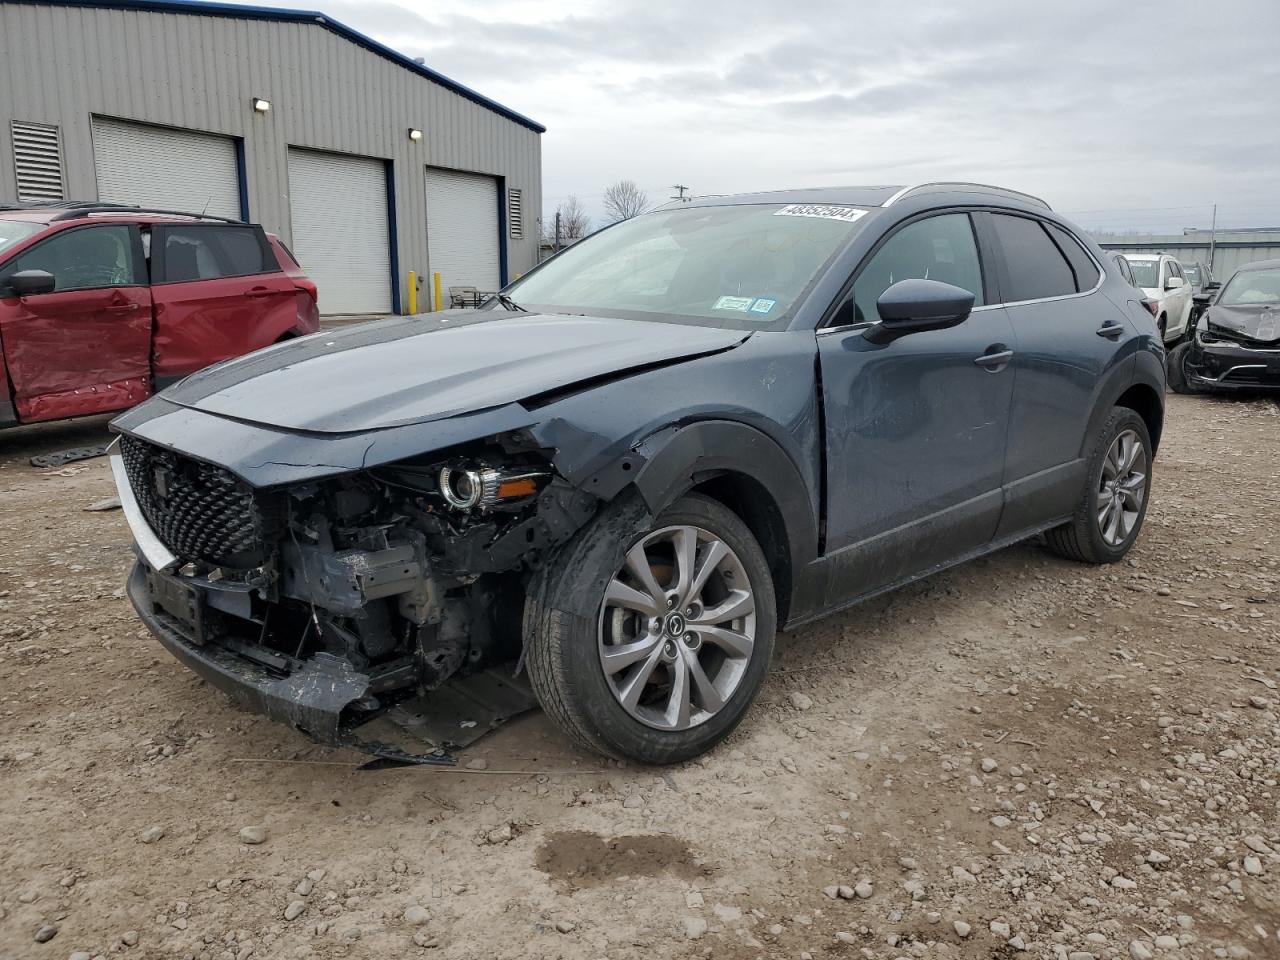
(1022,754)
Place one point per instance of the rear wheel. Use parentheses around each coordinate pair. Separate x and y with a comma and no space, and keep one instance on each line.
(1114,501)
(648,640)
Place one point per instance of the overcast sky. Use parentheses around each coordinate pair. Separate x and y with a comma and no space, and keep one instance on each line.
(1119,113)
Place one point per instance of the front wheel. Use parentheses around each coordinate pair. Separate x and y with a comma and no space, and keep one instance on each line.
(1114,501)
(648,638)
(1176,369)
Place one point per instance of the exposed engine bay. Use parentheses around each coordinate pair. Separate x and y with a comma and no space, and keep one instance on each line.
(345,596)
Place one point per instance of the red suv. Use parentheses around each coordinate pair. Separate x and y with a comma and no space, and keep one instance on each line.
(102,305)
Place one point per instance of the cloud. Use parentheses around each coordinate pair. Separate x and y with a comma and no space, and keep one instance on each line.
(1118,111)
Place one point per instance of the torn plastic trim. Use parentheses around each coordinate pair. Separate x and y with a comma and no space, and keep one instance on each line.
(157,554)
(311,698)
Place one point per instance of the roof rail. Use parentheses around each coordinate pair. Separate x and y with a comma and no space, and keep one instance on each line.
(89,209)
(964,183)
(44,204)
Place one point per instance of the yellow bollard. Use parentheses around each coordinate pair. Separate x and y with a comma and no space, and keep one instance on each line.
(413,293)
(439,298)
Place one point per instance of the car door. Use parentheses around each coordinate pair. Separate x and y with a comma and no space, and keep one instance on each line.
(1179,299)
(85,347)
(1068,333)
(219,293)
(915,428)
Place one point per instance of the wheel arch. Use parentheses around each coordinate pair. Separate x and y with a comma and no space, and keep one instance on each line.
(749,473)
(1143,400)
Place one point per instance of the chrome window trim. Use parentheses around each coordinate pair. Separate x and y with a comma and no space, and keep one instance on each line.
(899,195)
(963,183)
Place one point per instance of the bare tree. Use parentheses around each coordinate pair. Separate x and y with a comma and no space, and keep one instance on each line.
(624,200)
(574,222)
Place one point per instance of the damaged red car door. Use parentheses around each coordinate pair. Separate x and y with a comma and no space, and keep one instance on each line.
(85,346)
(219,293)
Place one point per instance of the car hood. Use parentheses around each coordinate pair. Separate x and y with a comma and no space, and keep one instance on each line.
(417,369)
(1259,321)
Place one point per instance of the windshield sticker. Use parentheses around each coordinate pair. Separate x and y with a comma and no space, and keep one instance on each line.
(825,211)
(740,304)
(763,306)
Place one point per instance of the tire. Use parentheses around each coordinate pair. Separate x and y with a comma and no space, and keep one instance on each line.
(1087,537)
(572,622)
(1176,371)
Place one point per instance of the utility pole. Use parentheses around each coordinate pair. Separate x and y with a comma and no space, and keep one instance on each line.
(1213,236)
(680,188)
(557,231)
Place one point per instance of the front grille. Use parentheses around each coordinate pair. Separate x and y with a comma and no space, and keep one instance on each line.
(198,510)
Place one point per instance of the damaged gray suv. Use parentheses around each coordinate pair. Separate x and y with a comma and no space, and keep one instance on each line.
(611,486)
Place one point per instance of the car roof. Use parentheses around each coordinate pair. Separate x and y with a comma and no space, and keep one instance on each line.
(866,196)
(1145,256)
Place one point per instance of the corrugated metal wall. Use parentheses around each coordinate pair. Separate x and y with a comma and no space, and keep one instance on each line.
(1232,249)
(63,64)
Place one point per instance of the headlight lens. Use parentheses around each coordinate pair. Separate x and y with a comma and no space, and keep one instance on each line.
(483,488)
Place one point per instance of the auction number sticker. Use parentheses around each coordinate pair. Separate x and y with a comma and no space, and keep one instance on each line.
(825,211)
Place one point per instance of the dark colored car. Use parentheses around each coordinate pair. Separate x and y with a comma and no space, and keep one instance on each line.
(659,447)
(1236,343)
(102,305)
(1202,286)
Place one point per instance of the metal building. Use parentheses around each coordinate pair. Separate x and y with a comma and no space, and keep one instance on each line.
(1224,251)
(367,164)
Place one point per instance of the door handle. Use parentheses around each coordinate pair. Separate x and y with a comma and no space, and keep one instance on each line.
(994,362)
(121,308)
(258,293)
(1110,330)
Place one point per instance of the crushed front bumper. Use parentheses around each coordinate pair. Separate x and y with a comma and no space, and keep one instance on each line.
(310,697)
(1222,365)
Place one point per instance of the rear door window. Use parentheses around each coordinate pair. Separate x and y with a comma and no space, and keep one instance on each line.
(1037,268)
(211,252)
(1082,265)
(83,258)
(938,248)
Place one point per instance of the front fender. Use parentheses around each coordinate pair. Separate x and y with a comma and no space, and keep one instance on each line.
(679,458)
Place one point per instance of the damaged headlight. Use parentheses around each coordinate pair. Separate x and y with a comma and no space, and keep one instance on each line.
(485,488)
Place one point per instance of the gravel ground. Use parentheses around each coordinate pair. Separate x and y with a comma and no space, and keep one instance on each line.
(1020,757)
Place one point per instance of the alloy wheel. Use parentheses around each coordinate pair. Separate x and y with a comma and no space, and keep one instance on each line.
(1122,488)
(677,628)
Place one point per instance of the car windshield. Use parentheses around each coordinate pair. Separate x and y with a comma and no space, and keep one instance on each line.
(1193,273)
(1146,273)
(1252,286)
(738,266)
(13,232)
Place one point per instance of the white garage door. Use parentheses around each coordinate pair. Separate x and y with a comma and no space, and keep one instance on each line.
(462,229)
(165,168)
(338,205)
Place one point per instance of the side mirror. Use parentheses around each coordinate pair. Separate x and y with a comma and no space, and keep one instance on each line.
(1201,299)
(1213,285)
(30,283)
(1174,283)
(913,306)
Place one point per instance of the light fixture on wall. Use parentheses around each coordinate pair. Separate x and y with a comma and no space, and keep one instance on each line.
(260,105)
(415,134)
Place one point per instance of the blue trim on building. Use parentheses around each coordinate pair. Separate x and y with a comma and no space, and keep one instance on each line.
(242,179)
(502,231)
(393,236)
(248,12)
